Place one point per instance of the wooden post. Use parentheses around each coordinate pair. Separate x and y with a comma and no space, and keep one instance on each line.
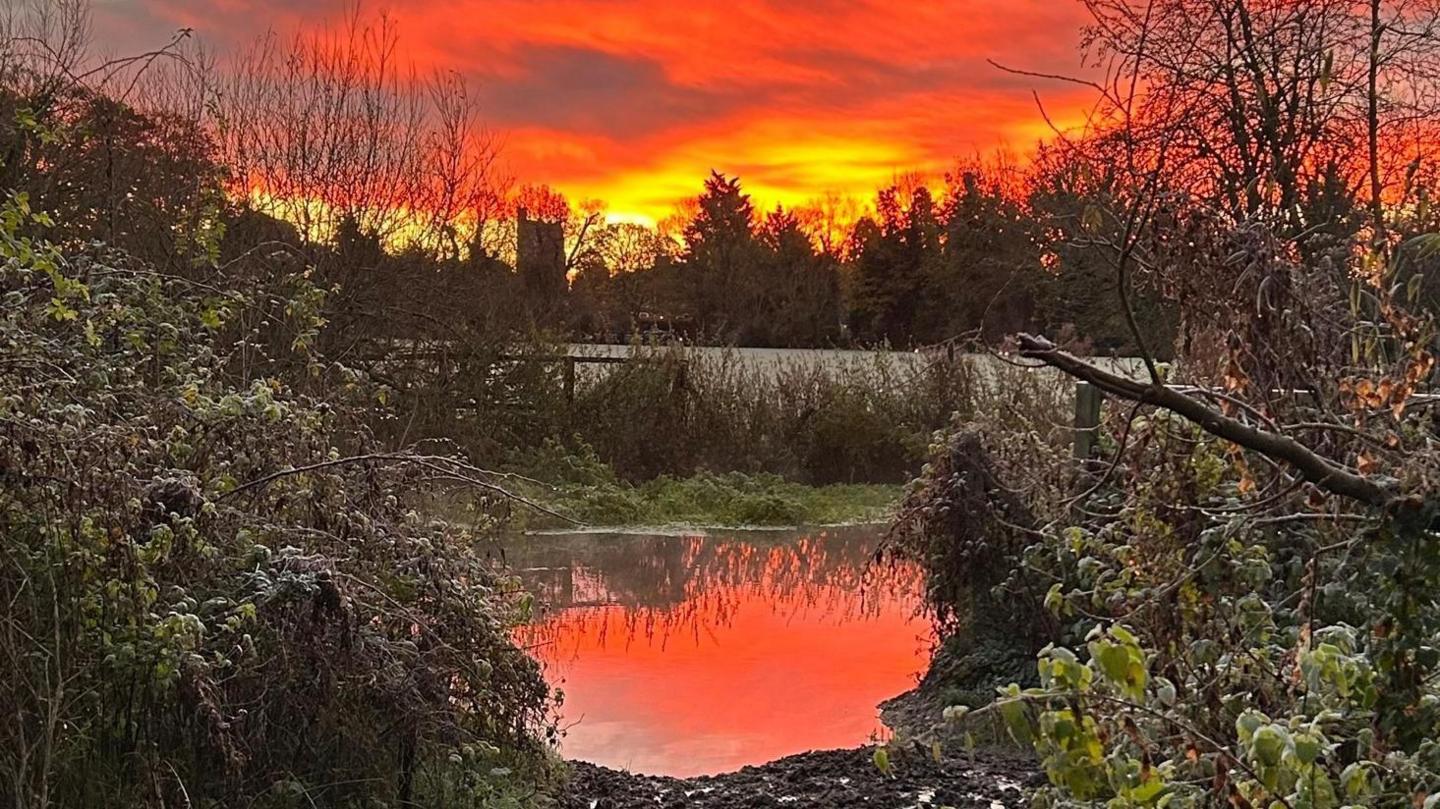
(570,382)
(1087,418)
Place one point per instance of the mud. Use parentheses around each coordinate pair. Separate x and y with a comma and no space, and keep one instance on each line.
(829,778)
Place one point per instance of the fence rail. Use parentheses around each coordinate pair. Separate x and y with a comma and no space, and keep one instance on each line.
(570,361)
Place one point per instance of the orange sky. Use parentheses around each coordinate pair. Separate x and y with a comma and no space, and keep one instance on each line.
(634,101)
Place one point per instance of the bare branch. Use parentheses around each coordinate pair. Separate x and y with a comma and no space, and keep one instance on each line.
(1321,471)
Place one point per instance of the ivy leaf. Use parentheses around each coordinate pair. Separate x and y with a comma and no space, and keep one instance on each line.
(60,310)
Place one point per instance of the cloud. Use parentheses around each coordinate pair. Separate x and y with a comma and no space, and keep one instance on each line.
(589,91)
(634,101)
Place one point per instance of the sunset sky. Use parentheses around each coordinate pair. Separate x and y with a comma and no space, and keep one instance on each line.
(634,101)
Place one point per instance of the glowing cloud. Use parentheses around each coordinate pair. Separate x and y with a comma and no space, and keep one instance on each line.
(635,101)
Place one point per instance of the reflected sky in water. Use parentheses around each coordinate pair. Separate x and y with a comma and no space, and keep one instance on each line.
(683,655)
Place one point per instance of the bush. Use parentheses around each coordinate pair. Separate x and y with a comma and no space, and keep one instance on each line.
(1219,622)
(816,420)
(218,591)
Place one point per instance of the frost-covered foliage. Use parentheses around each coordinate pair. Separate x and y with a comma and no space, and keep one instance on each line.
(1225,625)
(216,592)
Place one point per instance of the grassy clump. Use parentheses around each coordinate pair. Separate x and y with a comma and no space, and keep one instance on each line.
(585,488)
(726,499)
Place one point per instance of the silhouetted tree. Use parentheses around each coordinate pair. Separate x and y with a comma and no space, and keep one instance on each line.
(800,288)
(720,251)
(891,255)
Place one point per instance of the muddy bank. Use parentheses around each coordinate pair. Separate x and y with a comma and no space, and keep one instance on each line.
(829,778)
(967,669)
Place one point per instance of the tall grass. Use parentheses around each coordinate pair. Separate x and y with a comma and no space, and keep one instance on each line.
(816,420)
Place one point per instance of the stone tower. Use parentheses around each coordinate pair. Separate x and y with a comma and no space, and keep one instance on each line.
(540,261)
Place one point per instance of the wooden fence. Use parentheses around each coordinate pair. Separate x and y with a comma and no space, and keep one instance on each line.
(570,361)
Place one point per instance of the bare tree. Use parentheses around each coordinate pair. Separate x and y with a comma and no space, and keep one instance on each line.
(1259,99)
(461,167)
(330,126)
(828,220)
(1221,116)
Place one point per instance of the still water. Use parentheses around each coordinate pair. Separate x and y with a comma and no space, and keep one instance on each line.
(686,655)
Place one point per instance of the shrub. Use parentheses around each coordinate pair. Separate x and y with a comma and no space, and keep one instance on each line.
(817,419)
(219,591)
(1250,621)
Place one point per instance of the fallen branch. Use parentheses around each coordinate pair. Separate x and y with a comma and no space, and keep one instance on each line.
(1313,467)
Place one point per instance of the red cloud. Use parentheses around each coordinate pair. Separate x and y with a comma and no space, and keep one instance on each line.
(634,101)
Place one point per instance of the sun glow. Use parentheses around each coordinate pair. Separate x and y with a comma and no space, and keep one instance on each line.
(634,102)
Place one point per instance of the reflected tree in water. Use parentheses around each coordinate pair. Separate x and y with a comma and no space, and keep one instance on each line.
(661,589)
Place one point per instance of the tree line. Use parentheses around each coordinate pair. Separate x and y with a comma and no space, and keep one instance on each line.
(389,185)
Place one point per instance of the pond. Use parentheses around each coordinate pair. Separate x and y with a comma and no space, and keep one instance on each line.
(688,654)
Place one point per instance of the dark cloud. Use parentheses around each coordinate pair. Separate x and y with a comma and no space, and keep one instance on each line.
(583,90)
(621,97)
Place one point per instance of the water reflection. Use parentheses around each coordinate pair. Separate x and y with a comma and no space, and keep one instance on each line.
(682,655)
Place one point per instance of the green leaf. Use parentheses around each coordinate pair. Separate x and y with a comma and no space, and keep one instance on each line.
(1055,599)
(1017,720)
(1150,791)
(1307,747)
(1355,780)
(1247,724)
(1165,692)
(1121,664)
(882,760)
(1268,744)
(59,310)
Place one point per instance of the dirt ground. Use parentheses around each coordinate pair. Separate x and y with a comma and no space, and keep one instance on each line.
(829,778)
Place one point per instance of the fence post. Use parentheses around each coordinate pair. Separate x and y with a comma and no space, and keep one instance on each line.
(1087,418)
(570,382)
